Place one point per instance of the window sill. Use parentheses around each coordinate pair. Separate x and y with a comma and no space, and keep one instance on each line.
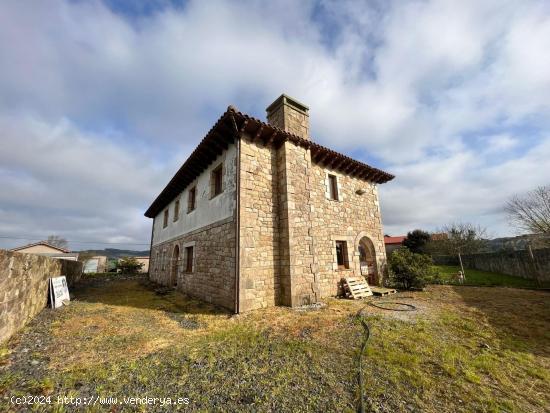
(214,196)
(191,210)
(343,269)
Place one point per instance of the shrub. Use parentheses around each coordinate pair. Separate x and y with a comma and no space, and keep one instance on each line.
(408,269)
(129,265)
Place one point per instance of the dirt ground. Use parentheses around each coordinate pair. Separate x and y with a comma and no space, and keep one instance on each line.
(462,349)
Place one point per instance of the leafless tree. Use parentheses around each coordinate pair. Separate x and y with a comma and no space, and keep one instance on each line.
(57,241)
(531,212)
(459,239)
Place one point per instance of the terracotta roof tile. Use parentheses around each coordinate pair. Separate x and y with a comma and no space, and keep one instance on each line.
(395,240)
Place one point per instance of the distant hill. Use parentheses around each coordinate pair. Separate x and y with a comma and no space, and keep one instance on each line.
(116,253)
(515,243)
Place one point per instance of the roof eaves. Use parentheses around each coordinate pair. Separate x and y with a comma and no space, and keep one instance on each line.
(187,169)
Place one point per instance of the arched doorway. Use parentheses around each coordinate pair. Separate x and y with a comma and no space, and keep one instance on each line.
(367,260)
(174,266)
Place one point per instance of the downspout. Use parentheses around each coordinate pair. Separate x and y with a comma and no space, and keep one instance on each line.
(151,249)
(237,225)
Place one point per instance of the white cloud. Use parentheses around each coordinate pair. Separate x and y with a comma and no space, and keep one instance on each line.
(58,179)
(499,143)
(462,186)
(89,94)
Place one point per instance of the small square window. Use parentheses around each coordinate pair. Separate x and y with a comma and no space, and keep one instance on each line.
(333,187)
(165,223)
(216,181)
(176,210)
(342,255)
(192,199)
(188,259)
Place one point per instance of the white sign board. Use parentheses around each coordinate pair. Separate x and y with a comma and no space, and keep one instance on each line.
(59,291)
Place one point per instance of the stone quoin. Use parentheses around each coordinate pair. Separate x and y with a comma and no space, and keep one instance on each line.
(261,215)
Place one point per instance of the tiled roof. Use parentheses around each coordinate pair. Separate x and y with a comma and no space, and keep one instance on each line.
(224,132)
(47,244)
(394,240)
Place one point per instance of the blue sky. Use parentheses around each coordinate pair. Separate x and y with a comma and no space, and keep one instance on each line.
(102,101)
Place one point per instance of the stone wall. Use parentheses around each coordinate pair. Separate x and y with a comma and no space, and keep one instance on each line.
(213,275)
(350,218)
(24,286)
(297,267)
(259,281)
(517,263)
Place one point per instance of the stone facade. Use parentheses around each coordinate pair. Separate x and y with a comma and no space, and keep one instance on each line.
(298,269)
(289,227)
(279,246)
(259,256)
(24,286)
(212,278)
(352,218)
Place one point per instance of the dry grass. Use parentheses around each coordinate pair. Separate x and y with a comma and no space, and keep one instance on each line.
(465,349)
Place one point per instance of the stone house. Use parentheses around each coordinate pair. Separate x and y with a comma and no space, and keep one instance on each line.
(260,215)
(47,250)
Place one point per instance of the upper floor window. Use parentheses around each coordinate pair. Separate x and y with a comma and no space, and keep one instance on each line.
(216,181)
(342,255)
(192,199)
(165,222)
(176,210)
(333,187)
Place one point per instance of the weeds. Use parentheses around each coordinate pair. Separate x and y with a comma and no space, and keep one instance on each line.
(465,349)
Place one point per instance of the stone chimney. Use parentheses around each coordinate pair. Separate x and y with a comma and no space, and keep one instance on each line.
(289,115)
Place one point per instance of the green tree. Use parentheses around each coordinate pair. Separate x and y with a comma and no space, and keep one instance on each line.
(129,265)
(416,241)
(409,269)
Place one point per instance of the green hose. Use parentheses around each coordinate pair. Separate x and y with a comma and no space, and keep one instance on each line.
(361,407)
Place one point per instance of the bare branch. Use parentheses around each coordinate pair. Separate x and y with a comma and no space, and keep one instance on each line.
(531,212)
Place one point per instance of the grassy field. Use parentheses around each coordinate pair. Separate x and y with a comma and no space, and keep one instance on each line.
(464,350)
(484,278)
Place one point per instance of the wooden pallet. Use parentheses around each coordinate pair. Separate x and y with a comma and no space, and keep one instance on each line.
(382,291)
(356,288)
